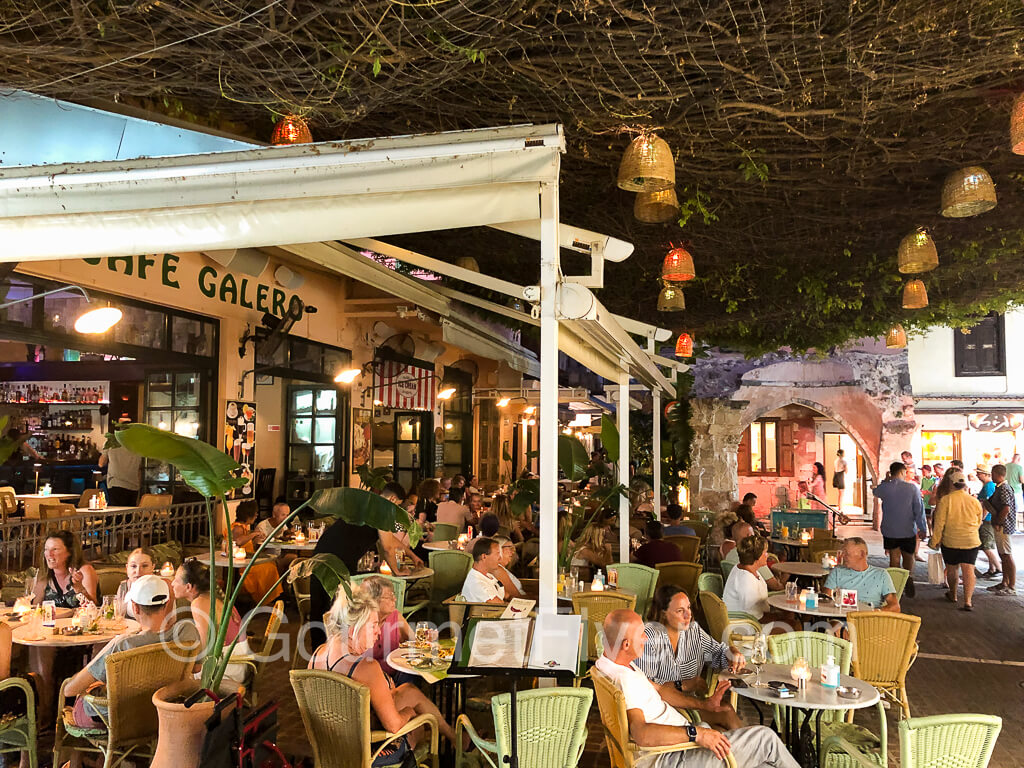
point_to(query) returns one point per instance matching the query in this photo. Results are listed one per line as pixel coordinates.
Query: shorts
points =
(959, 556)
(839, 481)
(1003, 544)
(988, 536)
(908, 545)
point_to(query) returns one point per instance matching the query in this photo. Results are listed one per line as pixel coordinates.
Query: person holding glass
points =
(140, 563)
(394, 629)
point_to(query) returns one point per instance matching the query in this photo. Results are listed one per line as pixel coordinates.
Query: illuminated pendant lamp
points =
(647, 165)
(968, 192)
(917, 253)
(99, 320)
(671, 299)
(1017, 126)
(684, 345)
(678, 266)
(656, 207)
(896, 338)
(914, 295)
(291, 129)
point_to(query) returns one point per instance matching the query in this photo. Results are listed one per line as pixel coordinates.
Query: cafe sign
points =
(995, 422)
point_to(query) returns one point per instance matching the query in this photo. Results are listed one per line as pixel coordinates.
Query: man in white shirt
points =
(746, 590)
(454, 512)
(654, 723)
(280, 511)
(480, 586)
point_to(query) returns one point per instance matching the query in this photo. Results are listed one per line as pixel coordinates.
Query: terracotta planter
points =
(181, 730)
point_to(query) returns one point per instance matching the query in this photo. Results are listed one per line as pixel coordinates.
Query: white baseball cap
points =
(149, 590)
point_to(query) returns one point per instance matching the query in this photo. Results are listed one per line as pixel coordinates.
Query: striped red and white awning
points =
(405, 387)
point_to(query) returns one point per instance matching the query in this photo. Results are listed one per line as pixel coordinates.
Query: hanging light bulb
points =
(914, 295)
(678, 266)
(671, 299)
(684, 345)
(291, 129)
(896, 338)
(647, 165)
(99, 320)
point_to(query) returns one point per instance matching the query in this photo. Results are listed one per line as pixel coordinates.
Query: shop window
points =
(173, 402)
(489, 462)
(980, 351)
(766, 448)
(941, 446)
(457, 442)
(315, 453)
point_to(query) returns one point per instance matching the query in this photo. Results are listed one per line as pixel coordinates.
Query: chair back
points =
(110, 578)
(899, 578)
(688, 546)
(450, 567)
(551, 725)
(815, 648)
(8, 504)
(700, 528)
(638, 579)
(964, 741)
(270, 634)
(883, 645)
(711, 582)
(715, 614)
(88, 493)
(56, 511)
(681, 574)
(300, 590)
(445, 531)
(614, 723)
(594, 607)
(397, 584)
(726, 570)
(153, 500)
(264, 491)
(336, 713)
(133, 677)
(821, 533)
(817, 547)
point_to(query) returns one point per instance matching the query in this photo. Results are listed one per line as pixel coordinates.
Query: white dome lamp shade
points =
(98, 320)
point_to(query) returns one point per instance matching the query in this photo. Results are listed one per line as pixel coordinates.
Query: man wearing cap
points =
(153, 609)
(986, 532)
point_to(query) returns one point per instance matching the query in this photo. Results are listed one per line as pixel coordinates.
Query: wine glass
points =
(759, 658)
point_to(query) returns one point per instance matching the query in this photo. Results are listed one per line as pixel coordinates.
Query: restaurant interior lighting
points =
(347, 376)
(503, 402)
(99, 320)
(446, 394)
(530, 410)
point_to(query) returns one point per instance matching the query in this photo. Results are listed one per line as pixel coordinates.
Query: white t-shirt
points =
(266, 527)
(453, 513)
(640, 693)
(734, 558)
(481, 587)
(746, 592)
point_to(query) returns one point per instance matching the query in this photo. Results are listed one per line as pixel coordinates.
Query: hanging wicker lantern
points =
(914, 295)
(684, 345)
(917, 253)
(656, 207)
(968, 192)
(468, 262)
(896, 338)
(291, 129)
(678, 266)
(1017, 126)
(671, 299)
(647, 165)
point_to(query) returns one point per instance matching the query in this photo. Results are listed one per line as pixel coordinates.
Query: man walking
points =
(1014, 475)
(903, 522)
(1004, 521)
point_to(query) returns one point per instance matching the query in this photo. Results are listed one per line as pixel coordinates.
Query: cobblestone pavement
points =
(968, 662)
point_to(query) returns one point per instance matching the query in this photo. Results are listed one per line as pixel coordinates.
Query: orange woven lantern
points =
(896, 338)
(684, 345)
(678, 266)
(914, 295)
(291, 129)
(1017, 126)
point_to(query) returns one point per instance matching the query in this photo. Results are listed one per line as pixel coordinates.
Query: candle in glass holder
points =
(239, 553)
(167, 571)
(385, 569)
(463, 539)
(300, 537)
(596, 585)
(803, 598)
(76, 621)
(805, 536)
(801, 672)
(23, 605)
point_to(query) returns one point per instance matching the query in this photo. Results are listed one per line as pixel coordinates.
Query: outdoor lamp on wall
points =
(503, 402)
(447, 391)
(347, 376)
(93, 321)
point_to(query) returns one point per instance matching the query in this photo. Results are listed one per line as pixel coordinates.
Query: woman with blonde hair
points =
(352, 629)
(140, 563)
(593, 547)
(501, 508)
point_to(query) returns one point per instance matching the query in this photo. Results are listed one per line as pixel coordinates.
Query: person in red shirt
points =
(656, 550)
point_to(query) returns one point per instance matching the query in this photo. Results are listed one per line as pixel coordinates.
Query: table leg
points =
(513, 757)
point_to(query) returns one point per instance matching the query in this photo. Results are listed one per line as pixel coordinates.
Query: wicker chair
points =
(56, 511)
(700, 528)
(815, 648)
(450, 567)
(818, 547)
(336, 713)
(899, 577)
(884, 647)
(551, 725)
(726, 626)
(300, 591)
(399, 586)
(688, 546)
(445, 531)
(8, 504)
(263, 652)
(20, 734)
(964, 741)
(621, 749)
(711, 582)
(638, 579)
(130, 730)
(110, 578)
(594, 607)
(681, 574)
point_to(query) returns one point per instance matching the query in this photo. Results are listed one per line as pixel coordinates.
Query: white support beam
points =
(644, 329)
(548, 416)
(656, 440)
(622, 413)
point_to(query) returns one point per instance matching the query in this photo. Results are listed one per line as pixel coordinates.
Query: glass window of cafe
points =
(65, 389)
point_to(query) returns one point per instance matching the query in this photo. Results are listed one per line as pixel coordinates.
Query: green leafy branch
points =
(694, 204)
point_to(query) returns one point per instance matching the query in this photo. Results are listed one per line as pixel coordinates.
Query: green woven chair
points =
(815, 648)
(450, 567)
(445, 531)
(638, 579)
(726, 570)
(899, 578)
(399, 586)
(20, 734)
(711, 582)
(552, 725)
(939, 741)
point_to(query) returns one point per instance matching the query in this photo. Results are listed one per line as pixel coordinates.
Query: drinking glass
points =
(422, 630)
(791, 592)
(759, 658)
(435, 645)
(120, 609)
(108, 607)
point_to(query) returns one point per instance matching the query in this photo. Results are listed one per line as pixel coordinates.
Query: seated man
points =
(873, 584)
(480, 585)
(656, 550)
(454, 512)
(653, 722)
(673, 522)
(741, 530)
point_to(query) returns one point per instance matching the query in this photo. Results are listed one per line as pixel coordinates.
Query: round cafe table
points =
(792, 546)
(815, 699)
(438, 545)
(804, 573)
(49, 639)
(419, 573)
(825, 610)
(223, 561)
(291, 546)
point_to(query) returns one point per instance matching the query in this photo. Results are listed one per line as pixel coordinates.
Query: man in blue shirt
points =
(903, 522)
(987, 532)
(873, 584)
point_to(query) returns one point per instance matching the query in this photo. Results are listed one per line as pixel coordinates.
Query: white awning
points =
(460, 333)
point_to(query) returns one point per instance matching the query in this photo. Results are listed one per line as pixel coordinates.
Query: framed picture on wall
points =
(362, 437)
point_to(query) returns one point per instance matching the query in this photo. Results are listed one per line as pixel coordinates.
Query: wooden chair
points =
(594, 607)
(130, 725)
(445, 531)
(263, 652)
(20, 734)
(727, 626)
(88, 493)
(336, 713)
(622, 750)
(551, 725)
(684, 575)
(688, 546)
(56, 511)
(638, 579)
(8, 504)
(152, 500)
(899, 577)
(884, 647)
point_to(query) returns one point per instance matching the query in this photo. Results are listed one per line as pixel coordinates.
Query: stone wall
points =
(717, 430)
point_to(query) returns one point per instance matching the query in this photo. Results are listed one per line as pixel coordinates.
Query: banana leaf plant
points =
(212, 473)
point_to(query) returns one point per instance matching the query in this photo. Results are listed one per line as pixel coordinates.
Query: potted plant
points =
(213, 474)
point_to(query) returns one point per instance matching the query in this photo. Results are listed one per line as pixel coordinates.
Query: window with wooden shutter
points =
(786, 464)
(743, 454)
(759, 452)
(980, 351)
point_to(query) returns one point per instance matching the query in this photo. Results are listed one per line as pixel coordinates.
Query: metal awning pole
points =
(656, 439)
(623, 419)
(548, 416)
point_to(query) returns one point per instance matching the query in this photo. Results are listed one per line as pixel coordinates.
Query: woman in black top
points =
(429, 494)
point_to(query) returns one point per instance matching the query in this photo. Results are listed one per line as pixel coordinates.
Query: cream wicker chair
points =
(622, 750)
(688, 546)
(884, 647)
(594, 607)
(336, 713)
(110, 578)
(681, 574)
(300, 591)
(263, 652)
(131, 721)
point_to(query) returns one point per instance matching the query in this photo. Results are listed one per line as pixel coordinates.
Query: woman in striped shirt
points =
(675, 651)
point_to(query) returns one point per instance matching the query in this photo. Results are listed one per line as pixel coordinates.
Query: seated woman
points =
(503, 573)
(260, 583)
(675, 652)
(502, 509)
(394, 629)
(746, 590)
(352, 629)
(594, 547)
(140, 563)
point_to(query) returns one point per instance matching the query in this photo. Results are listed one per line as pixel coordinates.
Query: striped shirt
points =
(695, 647)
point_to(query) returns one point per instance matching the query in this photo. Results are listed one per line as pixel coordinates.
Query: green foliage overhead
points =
(610, 436)
(572, 458)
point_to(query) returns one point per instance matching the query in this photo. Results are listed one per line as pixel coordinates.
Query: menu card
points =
(500, 643)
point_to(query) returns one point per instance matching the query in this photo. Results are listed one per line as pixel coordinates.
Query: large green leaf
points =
(8, 445)
(326, 568)
(572, 458)
(204, 467)
(527, 492)
(360, 507)
(610, 435)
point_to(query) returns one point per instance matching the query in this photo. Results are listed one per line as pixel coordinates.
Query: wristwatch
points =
(691, 731)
